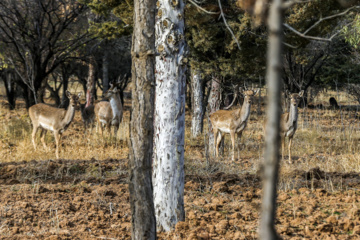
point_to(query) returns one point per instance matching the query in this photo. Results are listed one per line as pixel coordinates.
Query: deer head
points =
(295, 97)
(248, 95)
(73, 98)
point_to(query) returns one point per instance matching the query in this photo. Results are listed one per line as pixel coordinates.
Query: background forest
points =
(46, 44)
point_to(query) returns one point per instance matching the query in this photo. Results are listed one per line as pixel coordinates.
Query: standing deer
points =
(109, 113)
(232, 121)
(53, 119)
(288, 121)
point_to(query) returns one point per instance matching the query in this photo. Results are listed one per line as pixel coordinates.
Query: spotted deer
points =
(288, 121)
(53, 119)
(232, 121)
(109, 113)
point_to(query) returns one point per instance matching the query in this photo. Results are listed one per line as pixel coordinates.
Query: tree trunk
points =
(90, 85)
(10, 88)
(141, 128)
(168, 165)
(64, 98)
(214, 105)
(105, 72)
(272, 136)
(197, 97)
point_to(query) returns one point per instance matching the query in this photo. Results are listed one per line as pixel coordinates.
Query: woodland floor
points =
(318, 198)
(61, 200)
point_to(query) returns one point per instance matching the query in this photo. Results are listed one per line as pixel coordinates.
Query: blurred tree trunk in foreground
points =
(272, 136)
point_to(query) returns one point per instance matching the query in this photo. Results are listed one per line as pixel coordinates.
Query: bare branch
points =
(330, 17)
(228, 27)
(288, 4)
(304, 34)
(203, 9)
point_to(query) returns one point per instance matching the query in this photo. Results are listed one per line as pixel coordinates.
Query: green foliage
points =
(351, 32)
(114, 18)
(213, 49)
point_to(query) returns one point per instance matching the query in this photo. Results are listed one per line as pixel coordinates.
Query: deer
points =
(288, 121)
(232, 121)
(109, 113)
(52, 119)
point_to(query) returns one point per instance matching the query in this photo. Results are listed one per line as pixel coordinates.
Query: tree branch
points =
(228, 27)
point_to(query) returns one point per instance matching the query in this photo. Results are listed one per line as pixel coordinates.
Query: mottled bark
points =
(169, 135)
(197, 96)
(141, 128)
(214, 105)
(90, 85)
(272, 136)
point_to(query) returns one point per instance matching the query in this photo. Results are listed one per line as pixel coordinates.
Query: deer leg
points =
(216, 132)
(290, 141)
(218, 138)
(57, 142)
(238, 143)
(283, 146)
(42, 137)
(232, 135)
(35, 128)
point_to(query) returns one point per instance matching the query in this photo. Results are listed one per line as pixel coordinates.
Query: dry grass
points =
(326, 138)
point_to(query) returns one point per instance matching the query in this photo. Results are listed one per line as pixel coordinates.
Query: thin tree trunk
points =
(105, 68)
(169, 135)
(197, 97)
(10, 88)
(214, 105)
(272, 137)
(141, 128)
(90, 85)
(64, 98)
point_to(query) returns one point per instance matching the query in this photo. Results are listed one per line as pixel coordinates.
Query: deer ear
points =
(68, 94)
(287, 92)
(256, 91)
(301, 93)
(79, 95)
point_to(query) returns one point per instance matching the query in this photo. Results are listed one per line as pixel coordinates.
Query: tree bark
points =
(168, 165)
(141, 128)
(105, 71)
(10, 88)
(90, 85)
(197, 96)
(214, 105)
(272, 136)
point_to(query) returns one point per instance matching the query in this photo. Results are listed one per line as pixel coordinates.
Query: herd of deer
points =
(57, 120)
(110, 113)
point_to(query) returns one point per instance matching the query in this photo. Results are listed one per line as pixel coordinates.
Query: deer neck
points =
(245, 111)
(69, 116)
(116, 105)
(293, 114)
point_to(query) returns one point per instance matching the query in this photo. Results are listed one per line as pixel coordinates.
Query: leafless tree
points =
(39, 36)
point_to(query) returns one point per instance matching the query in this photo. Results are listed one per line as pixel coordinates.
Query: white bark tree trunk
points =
(169, 124)
(272, 136)
(214, 105)
(197, 97)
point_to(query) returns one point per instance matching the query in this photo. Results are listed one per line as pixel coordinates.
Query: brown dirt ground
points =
(89, 199)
